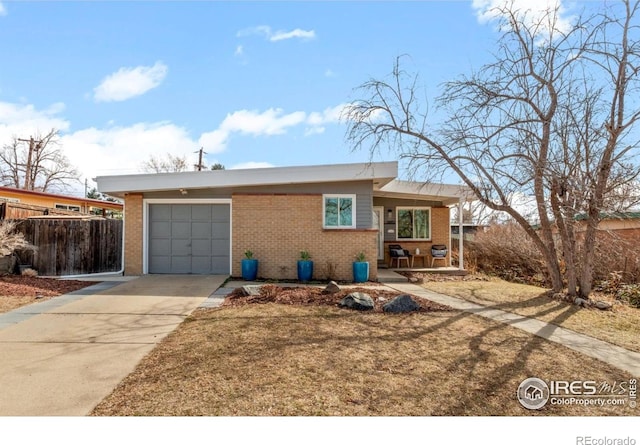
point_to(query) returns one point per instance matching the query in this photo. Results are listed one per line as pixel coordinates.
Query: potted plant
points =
(305, 266)
(360, 269)
(249, 266)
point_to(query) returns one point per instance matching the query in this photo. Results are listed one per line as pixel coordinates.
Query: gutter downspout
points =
(460, 236)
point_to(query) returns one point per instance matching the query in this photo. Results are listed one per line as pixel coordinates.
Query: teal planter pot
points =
(360, 272)
(249, 269)
(305, 270)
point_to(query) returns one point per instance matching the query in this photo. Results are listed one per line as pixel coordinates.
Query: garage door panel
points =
(189, 238)
(220, 246)
(201, 230)
(181, 230)
(201, 247)
(220, 231)
(201, 264)
(201, 212)
(180, 212)
(181, 264)
(221, 213)
(160, 212)
(160, 264)
(160, 229)
(220, 263)
(160, 247)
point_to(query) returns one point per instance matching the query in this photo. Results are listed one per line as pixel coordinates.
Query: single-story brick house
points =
(203, 222)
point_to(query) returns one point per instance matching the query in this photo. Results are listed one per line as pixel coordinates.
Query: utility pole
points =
(199, 165)
(34, 146)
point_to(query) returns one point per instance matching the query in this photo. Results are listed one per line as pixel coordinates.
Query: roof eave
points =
(380, 172)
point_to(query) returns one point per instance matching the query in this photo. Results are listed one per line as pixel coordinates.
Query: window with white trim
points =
(68, 207)
(413, 223)
(339, 211)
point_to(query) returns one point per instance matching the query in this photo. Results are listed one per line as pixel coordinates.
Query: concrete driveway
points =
(63, 356)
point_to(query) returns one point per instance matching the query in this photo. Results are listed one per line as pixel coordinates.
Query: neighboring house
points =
(18, 204)
(625, 225)
(469, 230)
(203, 222)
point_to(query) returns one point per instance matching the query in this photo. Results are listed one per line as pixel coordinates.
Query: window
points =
(413, 223)
(339, 211)
(68, 207)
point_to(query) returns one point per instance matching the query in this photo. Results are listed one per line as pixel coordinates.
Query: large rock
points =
(603, 305)
(251, 290)
(357, 300)
(331, 288)
(401, 304)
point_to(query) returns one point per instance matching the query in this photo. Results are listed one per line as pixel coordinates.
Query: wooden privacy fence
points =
(72, 247)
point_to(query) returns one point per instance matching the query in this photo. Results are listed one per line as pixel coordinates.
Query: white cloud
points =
(268, 123)
(277, 36)
(239, 51)
(329, 73)
(23, 120)
(3, 9)
(530, 12)
(295, 34)
(117, 150)
(130, 82)
(251, 164)
(316, 120)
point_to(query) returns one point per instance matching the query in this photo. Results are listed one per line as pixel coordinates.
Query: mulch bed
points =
(313, 296)
(23, 286)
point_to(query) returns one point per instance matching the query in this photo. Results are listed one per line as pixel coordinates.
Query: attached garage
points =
(193, 238)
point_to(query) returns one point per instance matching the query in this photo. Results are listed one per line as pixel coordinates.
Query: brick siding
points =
(277, 227)
(133, 234)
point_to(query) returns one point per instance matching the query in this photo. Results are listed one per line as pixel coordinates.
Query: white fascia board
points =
(380, 172)
(447, 193)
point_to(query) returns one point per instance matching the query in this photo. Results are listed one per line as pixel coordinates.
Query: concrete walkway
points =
(63, 356)
(614, 355)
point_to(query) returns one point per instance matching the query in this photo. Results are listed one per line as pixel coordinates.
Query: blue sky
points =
(254, 83)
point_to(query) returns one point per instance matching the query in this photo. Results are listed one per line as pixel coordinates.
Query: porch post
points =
(461, 236)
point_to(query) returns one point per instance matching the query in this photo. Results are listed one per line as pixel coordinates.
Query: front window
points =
(68, 207)
(339, 211)
(413, 223)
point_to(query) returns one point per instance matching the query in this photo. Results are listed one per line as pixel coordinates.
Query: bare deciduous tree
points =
(167, 164)
(552, 117)
(37, 163)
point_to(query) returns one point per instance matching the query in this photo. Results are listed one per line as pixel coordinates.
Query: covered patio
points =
(413, 217)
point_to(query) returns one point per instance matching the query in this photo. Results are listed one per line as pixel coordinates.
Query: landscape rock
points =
(581, 302)
(413, 280)
(251, 290)
(603, 305)
(357, 300)
(331, 288)
(401, 304)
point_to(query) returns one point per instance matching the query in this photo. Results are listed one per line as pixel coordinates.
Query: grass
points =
(620, 326)
(287, 360)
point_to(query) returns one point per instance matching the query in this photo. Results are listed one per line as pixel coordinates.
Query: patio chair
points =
(397, 253)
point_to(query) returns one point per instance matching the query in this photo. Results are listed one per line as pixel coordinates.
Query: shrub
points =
(629, 293)
(10, 240)
(506, 251)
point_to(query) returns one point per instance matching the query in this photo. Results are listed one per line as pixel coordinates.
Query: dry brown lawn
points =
(290, 360)
(620, 326)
